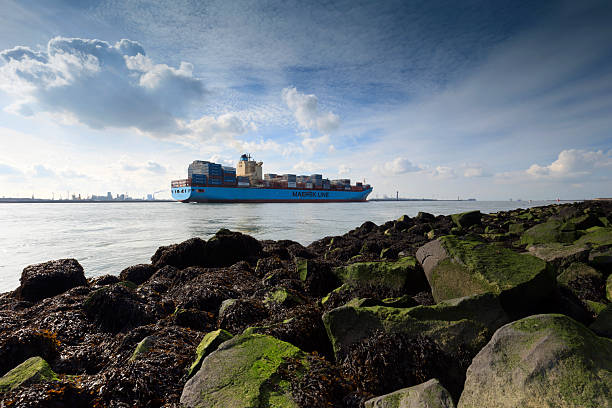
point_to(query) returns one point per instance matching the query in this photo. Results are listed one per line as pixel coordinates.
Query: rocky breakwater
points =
(511, 309)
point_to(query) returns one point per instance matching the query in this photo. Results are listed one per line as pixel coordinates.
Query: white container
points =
(291, 184)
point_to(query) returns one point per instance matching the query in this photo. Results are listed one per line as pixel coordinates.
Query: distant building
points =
(109, 196)
(150, 197)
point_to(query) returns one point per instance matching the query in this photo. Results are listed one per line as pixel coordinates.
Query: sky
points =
(492, 100)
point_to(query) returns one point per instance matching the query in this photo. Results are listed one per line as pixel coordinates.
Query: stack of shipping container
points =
(229, 176)
(243, 181)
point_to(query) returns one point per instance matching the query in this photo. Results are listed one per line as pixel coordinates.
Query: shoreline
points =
(316, 319)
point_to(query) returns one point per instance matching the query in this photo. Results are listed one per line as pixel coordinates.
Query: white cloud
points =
(305, 167)
(43, 171)
(306, 111)
(399, 165)
(313, 143)
(572, 163)
(150, 166)
(7, 170)
(100, 84)
(227, 125)
(474, 170)
(443, 172)
(343, 169)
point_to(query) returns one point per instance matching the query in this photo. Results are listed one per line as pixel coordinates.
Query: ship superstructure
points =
(212, 182)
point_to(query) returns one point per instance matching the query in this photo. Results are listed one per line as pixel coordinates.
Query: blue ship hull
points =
(208, 194)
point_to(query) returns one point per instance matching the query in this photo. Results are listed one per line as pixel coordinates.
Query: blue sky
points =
(484, 99)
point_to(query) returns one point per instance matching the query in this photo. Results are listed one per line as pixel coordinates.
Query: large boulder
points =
(48, 279)
(137, 273)
(541, 361)
(466, 322)
(116, 308)
(227, 247)
(209, 343)
(560, 255)
(467, 219)
(430, 394)
(596, 237)
(583, 281)
(550, 231)
(401, 276)
(457, 267)
(34, 369)
(243, 372)
(188, 253)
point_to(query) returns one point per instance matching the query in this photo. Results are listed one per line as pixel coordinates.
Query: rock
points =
(317, 276)
(467, 219)
(34, 369)
(188, 253)
(609, 288)
(402, 275)
(282, 297)
(430, 394)
(143, 347)
(104, 280)
(226, 248)
(19, 345)
(596, 237)
(468, 322)
(603, 323)
(457, 267)
(243, 372)
(116, 308)
(541, 361)
(235, 315)
(48, 279)
(137, 273)
(584, 281)
(193, 318)
(560, 255)
(548, 232)
(209, 343)
(424, 217)
(601, 257)
(516, 228)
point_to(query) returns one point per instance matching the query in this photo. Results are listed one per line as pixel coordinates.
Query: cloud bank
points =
(306, 111)
(100, 84)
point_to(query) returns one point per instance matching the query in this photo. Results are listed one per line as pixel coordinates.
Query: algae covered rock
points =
(541, 361)
(457, 267)
(560, 255)
(609, 288)
(467, 219)
(209, 343)
(227, 247)
(402, 275)
(137, 273)
(603, 323)
(467, 322)
(584, 281)
(430, 394)
(34, 369)
(143, 347)
(188, 253)
(282, 297)
(48, 279)
(116, 308)
(596, 237)
(548, 232)
(243, 372)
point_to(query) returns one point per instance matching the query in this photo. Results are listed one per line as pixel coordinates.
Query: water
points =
(107, 237)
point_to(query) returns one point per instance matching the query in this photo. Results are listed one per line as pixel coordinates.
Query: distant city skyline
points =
(479, 99)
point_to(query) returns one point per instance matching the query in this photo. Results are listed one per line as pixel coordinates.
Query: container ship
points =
(208, 182)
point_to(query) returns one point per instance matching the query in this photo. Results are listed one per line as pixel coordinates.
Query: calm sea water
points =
(107, 237)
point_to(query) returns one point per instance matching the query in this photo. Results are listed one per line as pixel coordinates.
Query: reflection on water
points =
(106, 238)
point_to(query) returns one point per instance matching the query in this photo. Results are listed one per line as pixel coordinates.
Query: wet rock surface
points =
(369, 318)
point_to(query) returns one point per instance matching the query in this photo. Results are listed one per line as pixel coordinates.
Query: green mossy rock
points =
(560, 255)
(467, 219)
(596, 237)
(34, 369)
(550, 231)
(516, 228)
(541, 361)
(609, 288)
(301, 266)
(457, 267)
(430, 394)
(282, 296)
(467, 322)
(243, 373)
(603, 323)
(578, 271)
(143, 347)
(403, 274)
(209, 343)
